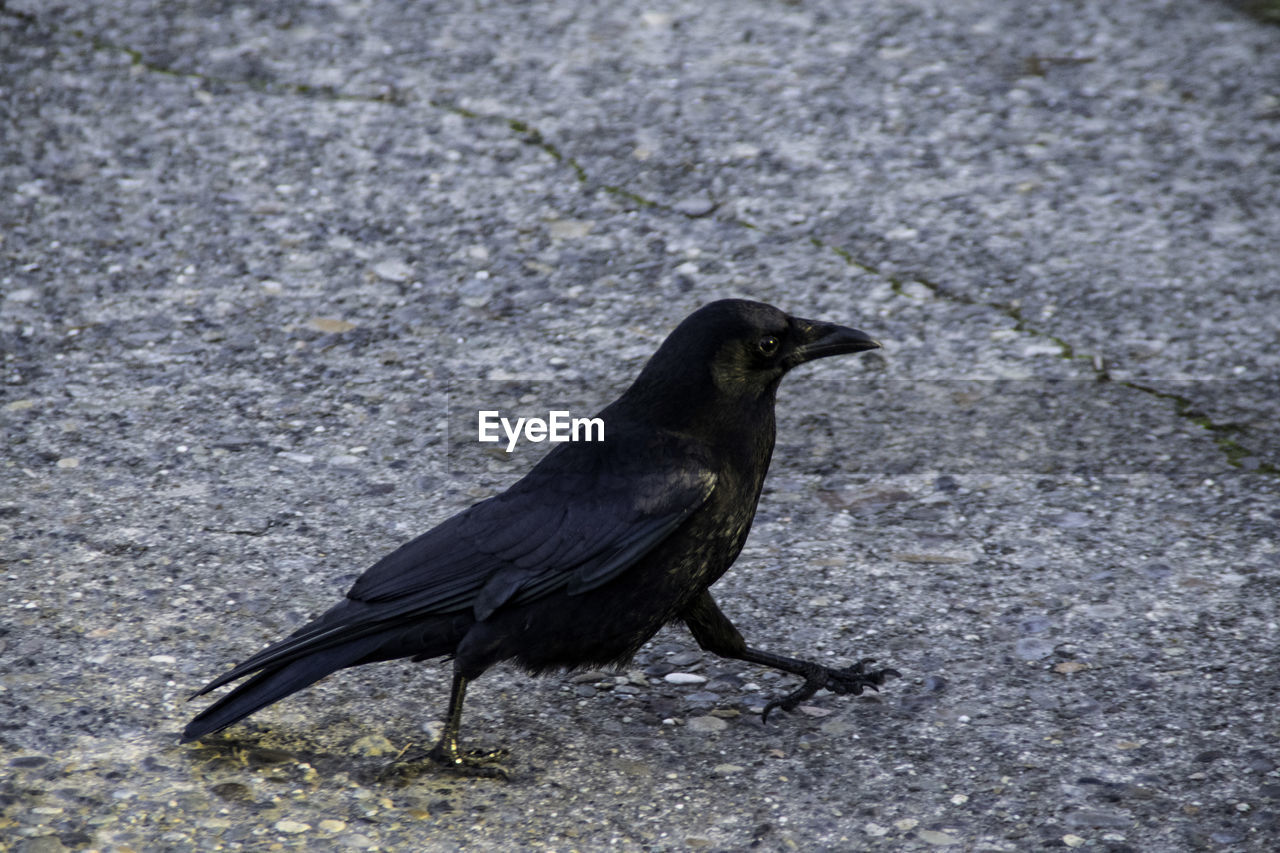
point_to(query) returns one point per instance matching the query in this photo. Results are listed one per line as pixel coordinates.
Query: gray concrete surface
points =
(256, 259)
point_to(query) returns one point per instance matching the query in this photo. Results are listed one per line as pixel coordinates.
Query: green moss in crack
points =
(1223, 434)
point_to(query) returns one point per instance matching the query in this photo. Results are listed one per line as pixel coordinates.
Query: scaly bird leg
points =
(472, 762)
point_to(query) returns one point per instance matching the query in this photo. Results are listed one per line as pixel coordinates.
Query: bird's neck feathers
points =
(699, 397)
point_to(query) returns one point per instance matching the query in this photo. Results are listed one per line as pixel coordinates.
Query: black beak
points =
(824, 339)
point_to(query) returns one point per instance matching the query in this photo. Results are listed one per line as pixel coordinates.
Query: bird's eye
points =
(768, 345)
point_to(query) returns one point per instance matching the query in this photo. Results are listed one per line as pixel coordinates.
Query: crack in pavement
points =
(1223, 435)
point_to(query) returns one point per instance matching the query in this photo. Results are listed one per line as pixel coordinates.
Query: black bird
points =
(596, 548)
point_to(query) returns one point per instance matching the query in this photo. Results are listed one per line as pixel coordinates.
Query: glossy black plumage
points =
(596, 548)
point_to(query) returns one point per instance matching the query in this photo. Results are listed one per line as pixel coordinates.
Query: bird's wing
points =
(556, 528)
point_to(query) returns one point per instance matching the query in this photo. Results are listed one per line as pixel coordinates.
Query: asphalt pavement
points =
(262, 264)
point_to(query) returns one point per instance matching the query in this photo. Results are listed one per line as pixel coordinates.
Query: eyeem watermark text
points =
(558, 426)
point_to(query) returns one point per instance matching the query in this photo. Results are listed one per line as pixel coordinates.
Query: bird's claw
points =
(852, 679)
(485, 763)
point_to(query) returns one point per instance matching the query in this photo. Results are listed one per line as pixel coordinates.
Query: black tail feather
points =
(276, 683)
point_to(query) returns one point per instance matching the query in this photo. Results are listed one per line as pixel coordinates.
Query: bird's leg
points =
(716, 634)
(446, 753)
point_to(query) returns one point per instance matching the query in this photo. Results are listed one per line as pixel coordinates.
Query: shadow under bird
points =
(581, 561)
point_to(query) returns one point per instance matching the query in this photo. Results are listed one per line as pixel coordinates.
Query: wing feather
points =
(554, 529)
(563, 529)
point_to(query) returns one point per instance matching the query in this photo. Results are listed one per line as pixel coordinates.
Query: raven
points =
(581, 561)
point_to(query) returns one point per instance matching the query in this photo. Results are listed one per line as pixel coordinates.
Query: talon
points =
(853, 679)
(473, 762)
(793, 699)
(484, 763)
(485, 756)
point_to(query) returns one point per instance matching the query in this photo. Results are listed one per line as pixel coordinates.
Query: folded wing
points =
(558, 528)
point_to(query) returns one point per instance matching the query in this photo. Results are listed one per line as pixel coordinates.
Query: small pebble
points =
(393, 270)
(300, 458)
(683, 678)
(1033, 648)
(695, 207)
(330, 325)
(938, 839)
(29, 761)
(707, 725)
(569, 229)
(476, 293)
(356, 841)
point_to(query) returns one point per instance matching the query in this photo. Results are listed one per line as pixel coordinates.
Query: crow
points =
(601, 544)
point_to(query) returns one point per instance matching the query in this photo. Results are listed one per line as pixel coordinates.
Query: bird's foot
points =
(852, 679)
(486, 763)
(464, 762)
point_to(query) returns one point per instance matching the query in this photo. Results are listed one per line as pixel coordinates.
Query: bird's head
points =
(735, 349)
